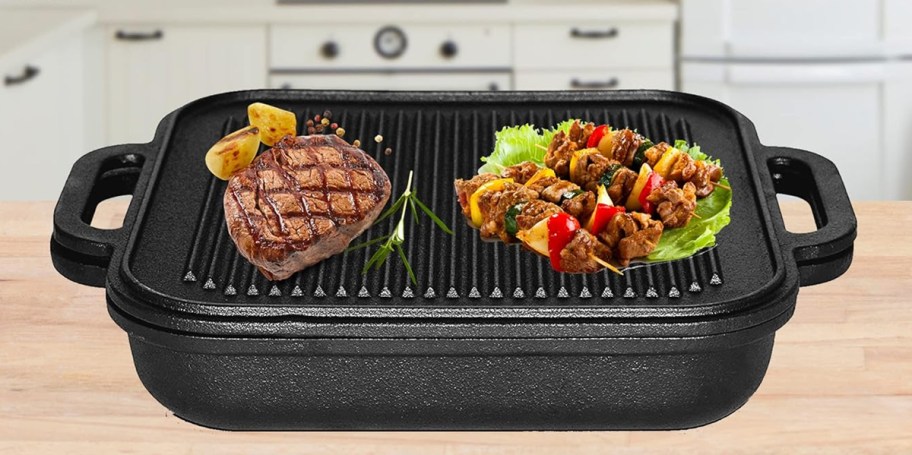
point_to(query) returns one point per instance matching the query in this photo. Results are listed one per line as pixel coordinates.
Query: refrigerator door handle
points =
(806, 73)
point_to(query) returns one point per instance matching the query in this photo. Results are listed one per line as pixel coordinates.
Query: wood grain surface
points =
(840, 380)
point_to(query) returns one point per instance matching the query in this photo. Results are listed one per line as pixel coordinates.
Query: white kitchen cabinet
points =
(814, 29)
(393, 81)
(41, 121)
(589, 79)
(898, 130)
(631, 45)
(832, 109)
(154, 70)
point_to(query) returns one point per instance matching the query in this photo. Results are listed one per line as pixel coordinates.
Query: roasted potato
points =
(274, 123)
(233, 152)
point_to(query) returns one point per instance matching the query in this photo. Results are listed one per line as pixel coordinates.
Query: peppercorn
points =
(357, 143)
(325, 121)
(310, 123)
(311, 130)
(378, 138)
(327, 113)
(334, 126)
(388, 151)
(317, 118)
(340, 132)
(319, 128)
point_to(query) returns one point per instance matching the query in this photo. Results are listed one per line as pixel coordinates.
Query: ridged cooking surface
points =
(440, 145)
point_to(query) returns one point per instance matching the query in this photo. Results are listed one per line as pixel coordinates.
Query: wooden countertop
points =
(840, 377)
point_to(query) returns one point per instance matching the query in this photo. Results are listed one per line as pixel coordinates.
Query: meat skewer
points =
(619, 145)
(515, 212)
(629, 149)
(677, 165)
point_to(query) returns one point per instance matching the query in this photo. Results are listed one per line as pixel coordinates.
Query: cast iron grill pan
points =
(490, 338)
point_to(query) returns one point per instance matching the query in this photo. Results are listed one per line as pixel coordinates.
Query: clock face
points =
(390, 42)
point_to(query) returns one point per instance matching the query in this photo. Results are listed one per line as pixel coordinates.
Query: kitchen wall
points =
(110, 70)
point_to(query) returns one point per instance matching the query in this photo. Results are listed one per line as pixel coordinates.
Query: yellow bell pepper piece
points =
(542, 173)
(474, 210)
(667, 161)
(633, 201)
(574, 160)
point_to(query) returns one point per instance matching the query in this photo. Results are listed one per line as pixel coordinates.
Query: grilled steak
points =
(303, 201)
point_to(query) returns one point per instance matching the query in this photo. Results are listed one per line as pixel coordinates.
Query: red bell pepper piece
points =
(654, 181)
(597, 134)
(561, 228)
(603, 214)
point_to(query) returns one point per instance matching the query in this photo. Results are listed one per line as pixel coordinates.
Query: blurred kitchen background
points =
(831, 76)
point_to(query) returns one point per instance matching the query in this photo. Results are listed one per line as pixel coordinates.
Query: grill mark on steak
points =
(254, 233)
(287, 178)
(348, 180)
(261, 194)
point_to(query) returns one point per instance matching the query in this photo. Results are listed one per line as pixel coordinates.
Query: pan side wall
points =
(399, 392)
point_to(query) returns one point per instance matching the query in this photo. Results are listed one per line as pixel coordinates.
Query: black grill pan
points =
(490, 338)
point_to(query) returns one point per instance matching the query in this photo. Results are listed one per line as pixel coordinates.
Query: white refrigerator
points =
(830, 76)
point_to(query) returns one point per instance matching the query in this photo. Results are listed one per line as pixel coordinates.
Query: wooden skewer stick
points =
(723, 186)
(542, 147)
(606, 265)
(697, 216)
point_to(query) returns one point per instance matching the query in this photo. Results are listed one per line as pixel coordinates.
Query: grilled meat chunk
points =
(494, 205)
(624, 144)
(465, 188)
(674, 205)
(576, 257)
(621, 185)
(655, 152)
(590, 170)
(701, 174)
(580, 205)
(520, 173)
(303, 201)
(533, 212)
(564, 144)
(556, 191)
(705, 178)
(631, 235)
(567, 194)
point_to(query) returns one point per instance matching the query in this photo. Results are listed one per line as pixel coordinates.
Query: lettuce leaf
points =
(700, 232)
(517, 144)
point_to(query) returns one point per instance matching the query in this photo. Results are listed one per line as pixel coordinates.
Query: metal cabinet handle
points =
(610, 83)
(28, 73)
(590, 34)
(139, 36)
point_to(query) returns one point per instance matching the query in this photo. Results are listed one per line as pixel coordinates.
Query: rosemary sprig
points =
(393, 241)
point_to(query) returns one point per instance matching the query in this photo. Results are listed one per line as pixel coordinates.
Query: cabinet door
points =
(830, 109)
(392, 81)
(153, 71)
(898, 130)
(41, 122)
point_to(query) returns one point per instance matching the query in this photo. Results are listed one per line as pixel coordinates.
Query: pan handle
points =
(826, 253)
(80, 251)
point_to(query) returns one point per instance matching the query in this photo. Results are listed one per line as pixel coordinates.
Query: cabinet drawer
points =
(392, 81)
(595, 80)
(329, 47)
(636, 45)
